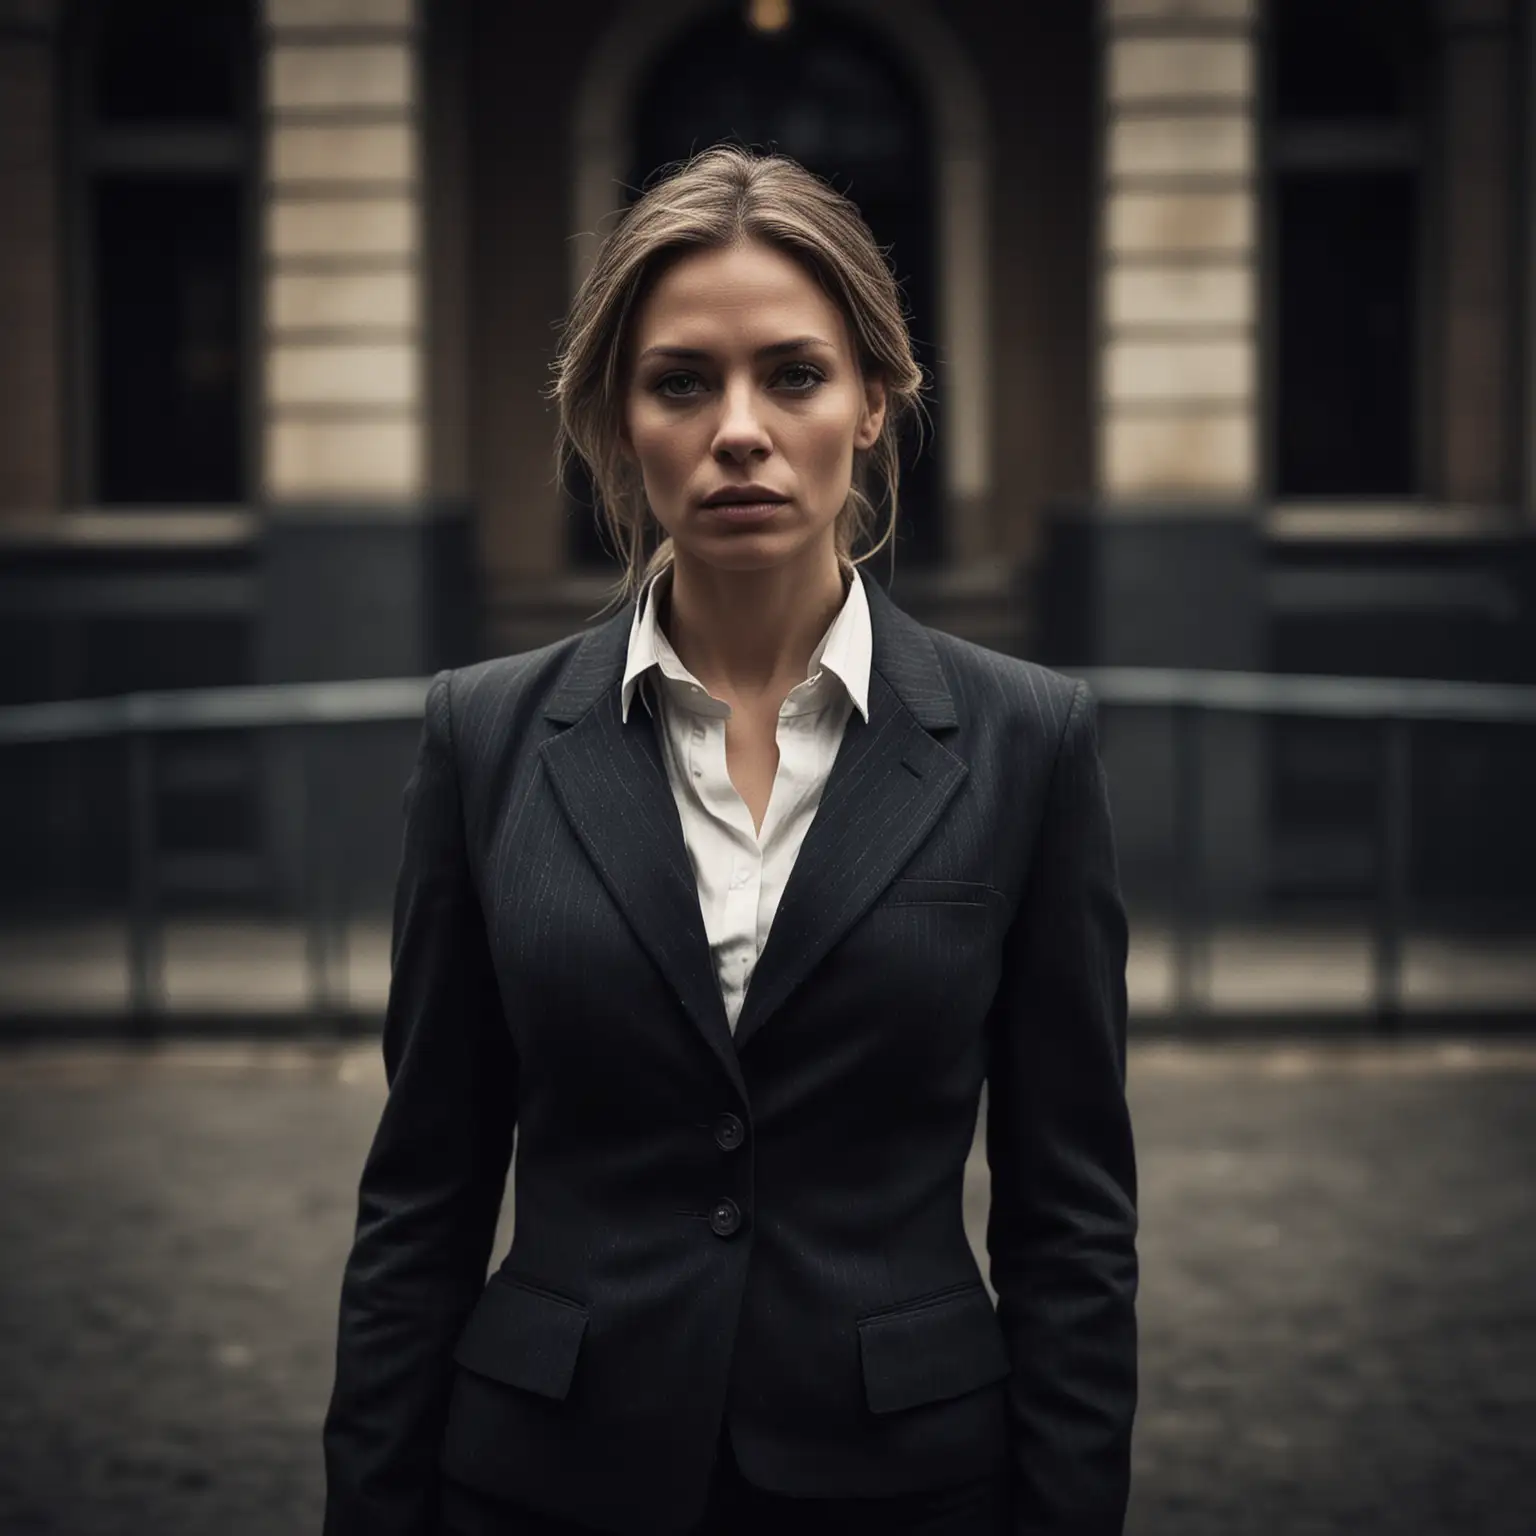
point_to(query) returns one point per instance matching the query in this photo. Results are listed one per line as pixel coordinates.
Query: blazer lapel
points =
(611, 782)
(889, 784)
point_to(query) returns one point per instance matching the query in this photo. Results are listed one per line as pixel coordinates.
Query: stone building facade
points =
(1230, 308)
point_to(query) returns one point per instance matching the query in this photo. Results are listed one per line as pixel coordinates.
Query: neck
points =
(748, 635)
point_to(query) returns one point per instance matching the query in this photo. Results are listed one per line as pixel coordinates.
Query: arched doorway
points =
(830, 92)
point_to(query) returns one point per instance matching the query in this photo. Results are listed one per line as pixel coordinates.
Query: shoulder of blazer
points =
(1040, 696)
(487, 699)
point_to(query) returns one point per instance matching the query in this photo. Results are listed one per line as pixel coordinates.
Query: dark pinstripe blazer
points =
(767, 1227)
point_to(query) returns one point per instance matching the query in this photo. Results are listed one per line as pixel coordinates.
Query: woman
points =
(731, 903)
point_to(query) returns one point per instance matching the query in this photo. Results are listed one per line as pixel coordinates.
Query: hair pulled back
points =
(717, 199)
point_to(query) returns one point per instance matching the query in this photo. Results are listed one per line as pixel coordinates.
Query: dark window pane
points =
(173, 60)
(168, 355)
(1347, 58)
(1345, 334)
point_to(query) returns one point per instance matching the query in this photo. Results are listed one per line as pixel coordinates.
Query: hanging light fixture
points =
(768, 15)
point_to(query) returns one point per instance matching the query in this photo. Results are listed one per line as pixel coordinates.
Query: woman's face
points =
(744, 383)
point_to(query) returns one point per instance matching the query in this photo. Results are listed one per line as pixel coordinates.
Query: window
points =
(164, 109)
(1346, 196)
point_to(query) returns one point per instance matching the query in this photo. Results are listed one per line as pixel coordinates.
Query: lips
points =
(742, 495)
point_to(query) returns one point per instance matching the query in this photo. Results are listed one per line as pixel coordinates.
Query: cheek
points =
(660, 446)
(827, 447)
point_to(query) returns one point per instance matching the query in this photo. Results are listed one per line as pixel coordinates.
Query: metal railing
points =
(1393, 705)
(1188, 697)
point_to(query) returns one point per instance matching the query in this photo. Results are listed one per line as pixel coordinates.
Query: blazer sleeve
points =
(1061, 1235)
(434, 1176)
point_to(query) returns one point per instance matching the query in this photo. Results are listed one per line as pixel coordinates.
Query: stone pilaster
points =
(368, 572)
(31, 447)
(1176, 396)
(1162, 567)
(342, 237)
(1475, 456)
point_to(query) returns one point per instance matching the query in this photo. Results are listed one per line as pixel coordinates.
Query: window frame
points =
(1345, 146)
(161, 151)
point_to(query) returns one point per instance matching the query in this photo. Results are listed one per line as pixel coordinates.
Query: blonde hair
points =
(719, 198)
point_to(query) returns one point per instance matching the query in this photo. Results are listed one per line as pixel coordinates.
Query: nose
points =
(740, 435)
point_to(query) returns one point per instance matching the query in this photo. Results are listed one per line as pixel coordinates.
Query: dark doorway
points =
(832, 95)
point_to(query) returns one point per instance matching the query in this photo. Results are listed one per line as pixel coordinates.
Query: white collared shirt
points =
(741, 873)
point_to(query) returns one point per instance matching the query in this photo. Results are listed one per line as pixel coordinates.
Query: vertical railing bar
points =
(310, 894)
(1393, 876)
(1188, 855)
(340, 896)
(145, 961)
(328, 856)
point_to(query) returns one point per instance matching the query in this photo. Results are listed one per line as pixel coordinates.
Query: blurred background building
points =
(1230, 308)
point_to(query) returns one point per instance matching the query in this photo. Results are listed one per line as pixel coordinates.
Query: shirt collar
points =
(844, 651)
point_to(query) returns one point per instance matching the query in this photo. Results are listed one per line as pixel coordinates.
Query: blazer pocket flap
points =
(524, 1337)
(931, 1350)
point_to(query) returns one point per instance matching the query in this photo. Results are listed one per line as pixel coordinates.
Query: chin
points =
(741, 549)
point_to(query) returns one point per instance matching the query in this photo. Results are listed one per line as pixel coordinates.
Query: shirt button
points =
(725, 1219)
(729, 1132)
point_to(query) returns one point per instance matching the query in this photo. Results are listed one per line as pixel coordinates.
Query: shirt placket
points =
(705, 738)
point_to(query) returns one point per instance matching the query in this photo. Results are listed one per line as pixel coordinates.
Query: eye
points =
(801, 377)
(671, 386)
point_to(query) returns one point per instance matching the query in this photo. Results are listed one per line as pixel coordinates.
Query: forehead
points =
(749, 292)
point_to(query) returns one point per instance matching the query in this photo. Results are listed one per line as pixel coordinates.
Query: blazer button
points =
(725, 1219)
(729, 1132)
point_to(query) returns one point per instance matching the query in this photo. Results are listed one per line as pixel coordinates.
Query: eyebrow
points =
(773, 349)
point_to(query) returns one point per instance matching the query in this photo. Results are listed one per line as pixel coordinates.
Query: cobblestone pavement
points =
(1338, 1307)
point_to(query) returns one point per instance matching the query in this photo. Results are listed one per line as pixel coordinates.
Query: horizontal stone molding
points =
(1171, 407)
(326, 14)
(344, 375)
(382, 152)
(1158, 223)
(1180, 146)
(343, 458)
(320, 412)
(1196, 295)
(340, 227)
(1182, 453)
(344, 335)
(1389, 521)
(306, 77)
(1183, 10)
(1473, 13)
(1144, 69)
(1137, 370)
(298, 301)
